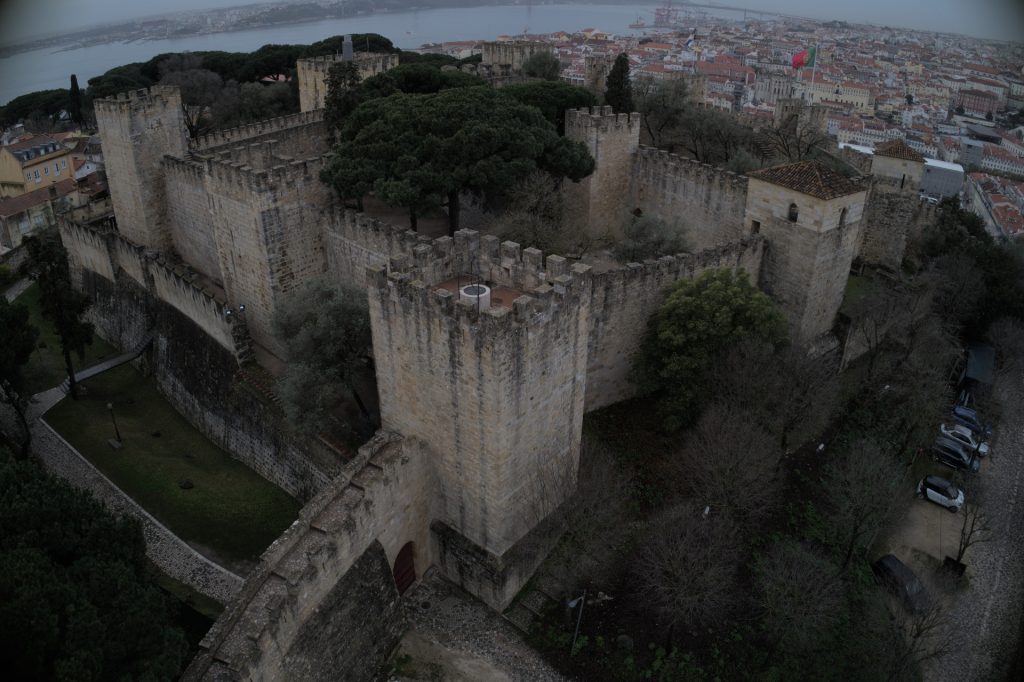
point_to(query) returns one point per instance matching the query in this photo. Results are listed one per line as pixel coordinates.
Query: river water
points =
(45, 69)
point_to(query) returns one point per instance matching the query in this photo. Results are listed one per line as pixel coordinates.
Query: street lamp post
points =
(117, 432)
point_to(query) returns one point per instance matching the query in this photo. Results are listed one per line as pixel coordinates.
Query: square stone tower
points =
(812, 219)
(598, 203)
(495, 389)
(138, 128)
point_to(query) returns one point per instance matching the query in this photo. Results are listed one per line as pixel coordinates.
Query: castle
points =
(481, 399)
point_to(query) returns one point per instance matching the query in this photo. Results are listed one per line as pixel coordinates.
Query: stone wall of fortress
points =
(299, 135)
(312, 74)
(322, 603)
(708, 202)
(624, 299)
(195, 352)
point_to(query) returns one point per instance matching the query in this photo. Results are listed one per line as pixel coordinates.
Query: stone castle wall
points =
(512, 53)
(624, 299)
(267, 224)
(138, 129)
(322, 603)
(194, 357)
(599, 204)
(892, 219)
(188, 213)
(312, 74)
(299, 134)
(708, 202)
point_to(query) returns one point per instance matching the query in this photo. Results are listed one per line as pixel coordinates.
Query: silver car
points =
(940, 491)
(961, 433)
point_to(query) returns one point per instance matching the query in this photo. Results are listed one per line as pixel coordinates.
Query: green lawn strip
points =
(231, 511)
(45, 369)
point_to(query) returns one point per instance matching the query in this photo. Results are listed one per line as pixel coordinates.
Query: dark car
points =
(894, 575)
(953, 454)
(970, 419)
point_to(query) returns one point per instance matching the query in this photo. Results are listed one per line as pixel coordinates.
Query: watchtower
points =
(598, 203)
(489, 370)
(811, 216)
(138, 128)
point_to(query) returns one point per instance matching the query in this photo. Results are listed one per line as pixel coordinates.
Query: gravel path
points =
(986, 617)
(471, 641)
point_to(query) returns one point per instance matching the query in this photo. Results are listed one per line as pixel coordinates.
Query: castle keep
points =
(482, 399)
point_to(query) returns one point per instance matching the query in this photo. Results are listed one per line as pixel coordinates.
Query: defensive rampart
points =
(313, 72)
(893, 218)
(322, 604)
(297, 134)
(624, 300)
(708, 202)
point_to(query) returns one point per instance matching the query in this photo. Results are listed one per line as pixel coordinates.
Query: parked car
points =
(940, 491)
(951, 453)
(964, 435)
(969, 418)
(894, 575)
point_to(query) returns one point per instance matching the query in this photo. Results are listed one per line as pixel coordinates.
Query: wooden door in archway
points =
(405, 568)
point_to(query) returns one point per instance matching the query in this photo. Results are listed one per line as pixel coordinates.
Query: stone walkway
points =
(457, 638)
(985, 618)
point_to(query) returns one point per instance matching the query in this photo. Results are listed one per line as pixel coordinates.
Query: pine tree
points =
(619, 90)
(76, 101)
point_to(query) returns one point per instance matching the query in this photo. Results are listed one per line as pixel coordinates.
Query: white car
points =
(940, 491)
(964, 435)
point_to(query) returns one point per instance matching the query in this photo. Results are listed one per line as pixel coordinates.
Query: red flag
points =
(804, 58)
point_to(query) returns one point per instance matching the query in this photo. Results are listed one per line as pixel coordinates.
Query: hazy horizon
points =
(21, 20)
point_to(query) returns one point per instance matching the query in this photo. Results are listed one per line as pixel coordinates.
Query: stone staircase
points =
(111, 363)
(532, 604)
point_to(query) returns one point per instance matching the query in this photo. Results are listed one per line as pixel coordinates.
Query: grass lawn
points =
(231, 513)
(45, 369)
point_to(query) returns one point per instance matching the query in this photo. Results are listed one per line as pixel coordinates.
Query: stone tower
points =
(811, 216)
(496, 393)
(598, 203)
(138, 128)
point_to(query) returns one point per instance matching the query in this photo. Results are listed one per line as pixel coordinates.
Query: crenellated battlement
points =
(188, 169)
(548, 285)
(228, 173)
(373, 61)
(652, 160)
(161, 95)
(585, 122)
(220, 138)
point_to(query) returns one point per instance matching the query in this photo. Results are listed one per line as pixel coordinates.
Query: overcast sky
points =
(1002, 19)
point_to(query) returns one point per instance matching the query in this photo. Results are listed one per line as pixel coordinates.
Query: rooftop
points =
(898, 149)
(811, 178)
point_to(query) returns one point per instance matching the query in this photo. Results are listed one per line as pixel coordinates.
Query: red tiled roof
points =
(811, 178)
(15, 205)
(898, 149)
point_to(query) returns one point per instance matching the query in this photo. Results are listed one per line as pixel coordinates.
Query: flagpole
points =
(814, 70)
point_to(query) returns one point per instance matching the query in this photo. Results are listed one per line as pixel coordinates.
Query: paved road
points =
(986, 617)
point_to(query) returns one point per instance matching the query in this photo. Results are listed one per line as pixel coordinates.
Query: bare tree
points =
(794, 139)
(895, 642)
(960, 286)
(976, 524)
(730, 463)
(798, 595)
(663, 105)
(687, 569)
(792, 393)
(864, 484)
(1008, 337)
(200, 88)
(533, 216)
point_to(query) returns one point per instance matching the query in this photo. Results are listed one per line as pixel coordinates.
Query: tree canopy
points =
(553, 98)
(19, 342)
(619, 89)
(75, 601)
(63, 305)
(325, 330)
(543, 65)
(424, 151)
(699, 320)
